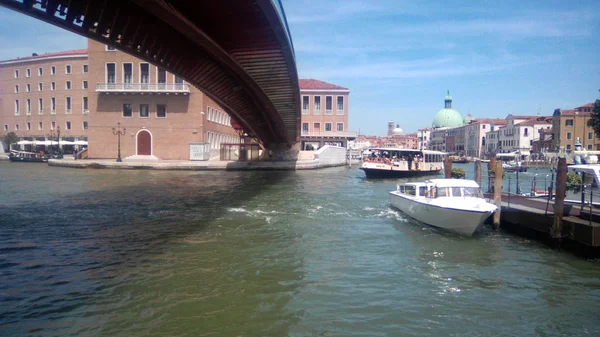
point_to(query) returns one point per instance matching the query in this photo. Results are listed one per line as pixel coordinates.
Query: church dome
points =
(468, 119)
(447, 117)
(397, 130)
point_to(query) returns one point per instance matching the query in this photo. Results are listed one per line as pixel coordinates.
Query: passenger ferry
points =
(400, 163)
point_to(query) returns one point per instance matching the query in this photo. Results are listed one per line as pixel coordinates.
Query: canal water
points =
(310, 253)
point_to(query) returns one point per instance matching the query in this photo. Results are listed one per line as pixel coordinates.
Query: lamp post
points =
(51, 136)
(118, 132)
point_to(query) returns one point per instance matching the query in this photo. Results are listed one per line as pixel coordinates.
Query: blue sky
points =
(398, 57)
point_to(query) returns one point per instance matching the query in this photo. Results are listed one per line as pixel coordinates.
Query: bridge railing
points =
(143, 87)
(329, 133)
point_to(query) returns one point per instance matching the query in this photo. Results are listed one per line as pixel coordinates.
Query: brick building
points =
(570, 125)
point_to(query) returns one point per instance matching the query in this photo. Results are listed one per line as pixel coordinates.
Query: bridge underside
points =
(239, 53)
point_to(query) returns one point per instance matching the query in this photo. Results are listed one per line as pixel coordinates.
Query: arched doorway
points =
(144, 143)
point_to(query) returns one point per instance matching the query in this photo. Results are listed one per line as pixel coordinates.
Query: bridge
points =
(239, 53)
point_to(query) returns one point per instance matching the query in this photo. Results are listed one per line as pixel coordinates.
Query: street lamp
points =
(118, 132)
(51, 136)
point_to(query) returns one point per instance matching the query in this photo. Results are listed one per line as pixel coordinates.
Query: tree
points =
(10, 138)
(594, 121)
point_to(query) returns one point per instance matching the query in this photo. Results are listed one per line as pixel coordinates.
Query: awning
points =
(81, 142)
(24, 142)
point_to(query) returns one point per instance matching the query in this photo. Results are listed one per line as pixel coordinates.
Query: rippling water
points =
(315, 253)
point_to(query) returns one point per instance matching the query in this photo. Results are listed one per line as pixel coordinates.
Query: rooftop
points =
(536, 121)
(76, 52)
(312, 84)
(495, 121)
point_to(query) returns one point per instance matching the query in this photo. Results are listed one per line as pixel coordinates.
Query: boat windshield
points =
(472, 192)
(457, 191)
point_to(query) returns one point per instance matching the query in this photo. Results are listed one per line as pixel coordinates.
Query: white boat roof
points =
(405, 150)
(453, 182)
(512, 154)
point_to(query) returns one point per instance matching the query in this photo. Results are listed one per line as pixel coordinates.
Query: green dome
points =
(447, 118)
(468, 119)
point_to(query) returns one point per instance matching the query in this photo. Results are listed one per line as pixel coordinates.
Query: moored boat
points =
(456, 205)
(400, 163)
(29, 157)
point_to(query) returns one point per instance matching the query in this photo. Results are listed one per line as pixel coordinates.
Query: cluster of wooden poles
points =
(496, 172)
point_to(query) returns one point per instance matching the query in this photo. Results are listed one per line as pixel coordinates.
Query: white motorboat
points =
(456, 205)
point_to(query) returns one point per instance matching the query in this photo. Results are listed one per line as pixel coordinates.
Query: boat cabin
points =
(438, 188)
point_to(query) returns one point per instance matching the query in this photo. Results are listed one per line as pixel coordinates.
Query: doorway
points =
(144, 143)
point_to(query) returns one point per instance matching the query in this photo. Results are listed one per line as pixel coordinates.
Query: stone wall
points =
(331, 156)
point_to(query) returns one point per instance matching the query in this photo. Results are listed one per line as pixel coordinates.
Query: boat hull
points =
(387, 174)
(463, 222)
(28, 160)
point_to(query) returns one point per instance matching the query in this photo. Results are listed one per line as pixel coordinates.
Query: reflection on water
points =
(104, 252)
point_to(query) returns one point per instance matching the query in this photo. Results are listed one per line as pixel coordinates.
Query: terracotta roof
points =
(587, 105)
(313, 84)
(495, 121)
(535, 121)
(522, 116)
(573, 112)
(60, 53)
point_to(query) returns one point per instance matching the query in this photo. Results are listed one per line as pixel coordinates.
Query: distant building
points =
(447, 117)
(423, 136)
(324, 114)
(390, 130)
(520, 132)
(570, 125)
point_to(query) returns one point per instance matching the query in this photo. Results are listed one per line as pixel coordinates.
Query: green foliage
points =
(10, 138)
(458, 173)
(492, 173)
(573, 182)
(594, 121)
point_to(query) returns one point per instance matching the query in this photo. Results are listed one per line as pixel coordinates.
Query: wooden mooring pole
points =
(559, 199)
(448, 167)
(478, 172)
(498, 172)
(491, 167)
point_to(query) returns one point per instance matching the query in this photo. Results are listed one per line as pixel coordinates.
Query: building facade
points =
(83, 94)
(520, 132)
(324, 115)
(571, 125)
(43, 95)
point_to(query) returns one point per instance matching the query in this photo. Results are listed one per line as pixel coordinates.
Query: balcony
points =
(158, 88)
(332, 134)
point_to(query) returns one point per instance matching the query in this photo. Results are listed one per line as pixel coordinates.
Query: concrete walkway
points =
(191, 165)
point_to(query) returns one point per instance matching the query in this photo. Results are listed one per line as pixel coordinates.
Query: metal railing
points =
(143, 87)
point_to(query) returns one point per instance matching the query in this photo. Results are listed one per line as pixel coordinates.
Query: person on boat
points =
(410, 160)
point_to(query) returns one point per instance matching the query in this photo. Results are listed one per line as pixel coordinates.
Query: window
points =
(525, 132)
(328, 104)
(85, 68)
(5, 127)
(161, 111)
(305, 105)
(52, 125)
(68, 125)
(28, 73)
(144, 73)
(28, 106)
(340, 105)
(53, 106)
(53, 70)
(28, 125)
(127, 111)
(111, 73)
(85, 106)
(569, 135)
(161, 77)
(16, 73)
(589, 147)
(483, 127)
(40, 105)
(68, 85)
(53, 86)
(84, 84)
(569, 122)
(327, 126)
(40, 73)
(304, 128)
(16, 89)
(317, 107)
(68, 69)
(40, 126)
(28, 87)
(178, 80)
(110, 48)
(40, 87)
(144, 111)
(68, 105)
(85, 125)
(127, 74)
(590, 135)
(17, 127)
(568, 147)
(340, 127)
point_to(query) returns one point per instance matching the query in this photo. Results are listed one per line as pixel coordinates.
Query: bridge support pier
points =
(281, 152)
